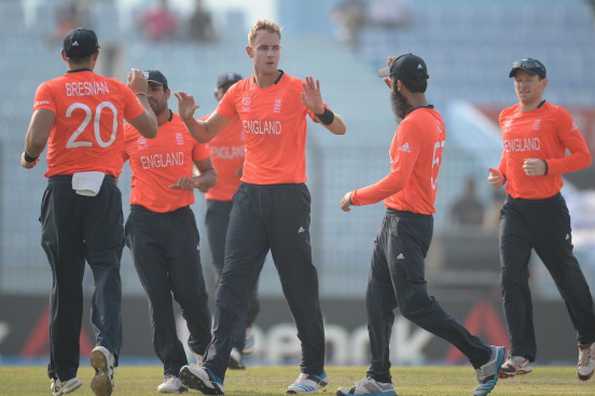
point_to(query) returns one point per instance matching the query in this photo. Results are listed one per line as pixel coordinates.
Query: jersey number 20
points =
(74, 143)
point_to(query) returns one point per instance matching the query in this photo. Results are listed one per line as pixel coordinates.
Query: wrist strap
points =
(327, 117)
(29, 158)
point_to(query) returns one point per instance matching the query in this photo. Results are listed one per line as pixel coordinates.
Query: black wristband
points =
(28, 158)
(327, 117)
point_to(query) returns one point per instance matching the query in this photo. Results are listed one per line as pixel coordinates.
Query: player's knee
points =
(415, 304)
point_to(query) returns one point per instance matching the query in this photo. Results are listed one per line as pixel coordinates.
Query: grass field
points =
(268, 381)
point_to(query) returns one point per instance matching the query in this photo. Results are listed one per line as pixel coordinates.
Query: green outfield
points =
(411, 381)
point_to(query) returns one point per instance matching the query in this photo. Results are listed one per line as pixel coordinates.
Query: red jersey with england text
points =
(227, 156)
(89, 114)
(273, 121)
(158, 163)
(415, 155)
(544, 133)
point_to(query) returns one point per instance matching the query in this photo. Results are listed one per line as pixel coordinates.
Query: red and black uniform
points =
(227, 156)
(535, 216)
(87, 136)
(271, 211)
(397, 275)
(162, 234)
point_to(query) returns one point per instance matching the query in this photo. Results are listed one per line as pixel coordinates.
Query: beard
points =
(157, 107)
(400, 104)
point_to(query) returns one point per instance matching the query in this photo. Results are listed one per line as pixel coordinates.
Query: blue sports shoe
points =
(308, 383)
(487, 375)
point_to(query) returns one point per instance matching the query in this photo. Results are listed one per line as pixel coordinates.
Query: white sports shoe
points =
(201, 379)
(586, 361)
(250, 342)
(308, 383)
(235, 360)
(102, 361)
(171, 384)
(515, 365)
(369, 387)
(59, 388)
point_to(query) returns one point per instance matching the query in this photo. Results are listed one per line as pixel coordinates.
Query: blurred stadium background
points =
(468, 45)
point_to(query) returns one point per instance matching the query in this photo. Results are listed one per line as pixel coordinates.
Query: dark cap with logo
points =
(156, 77)
(529, 65)
(227, 79)
(407, 68)
(80, 43)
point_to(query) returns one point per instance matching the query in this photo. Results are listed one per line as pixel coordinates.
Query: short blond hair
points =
(263, 24)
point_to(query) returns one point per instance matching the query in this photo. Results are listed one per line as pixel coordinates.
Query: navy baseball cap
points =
(407, 68)
(80, 43)
(227, 79)
(156, 77)
(530, 65)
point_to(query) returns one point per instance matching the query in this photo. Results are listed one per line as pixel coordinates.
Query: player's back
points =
(89, 111)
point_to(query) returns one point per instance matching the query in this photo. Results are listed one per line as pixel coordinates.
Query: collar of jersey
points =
(253, 79)
(86, 69)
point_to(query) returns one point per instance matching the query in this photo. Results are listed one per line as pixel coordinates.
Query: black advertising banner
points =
(24, 324)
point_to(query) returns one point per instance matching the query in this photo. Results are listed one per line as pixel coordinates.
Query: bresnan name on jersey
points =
(521, 145)
(162, 160)
(262, 127)
(86, 88)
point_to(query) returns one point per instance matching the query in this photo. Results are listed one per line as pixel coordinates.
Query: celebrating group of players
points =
(249, 159)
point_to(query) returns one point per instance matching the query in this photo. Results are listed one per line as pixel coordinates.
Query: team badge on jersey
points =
(405, 148)
(142, 142)
(536, 124)
(506, 125)
(179, 139)
(277, 105)
(246, 103)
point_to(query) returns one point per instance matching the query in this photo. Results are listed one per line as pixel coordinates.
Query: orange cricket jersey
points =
(543, 133)
(158, 163)
(274, 124)
(415, 155)
(227, 156)
(88, 130)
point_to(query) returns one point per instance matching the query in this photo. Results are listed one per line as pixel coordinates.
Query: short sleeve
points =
(44, 99)
(227, 105)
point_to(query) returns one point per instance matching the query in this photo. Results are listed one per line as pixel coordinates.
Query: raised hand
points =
(137, 81)
(311, 96)
(186, 105)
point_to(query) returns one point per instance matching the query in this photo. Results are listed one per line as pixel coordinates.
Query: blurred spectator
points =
(468, 209)
(201, 24)
(592, 4)
(491, 218)
(70, 14)
(350, 17)
(159, 23)
(389, 14)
